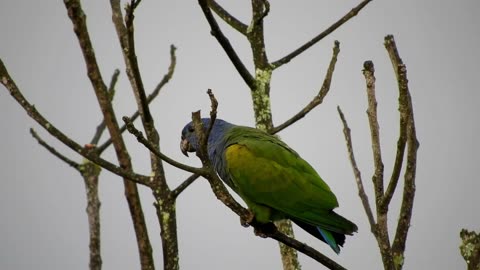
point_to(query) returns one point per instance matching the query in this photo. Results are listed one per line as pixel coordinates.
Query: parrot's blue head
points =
(189, 142)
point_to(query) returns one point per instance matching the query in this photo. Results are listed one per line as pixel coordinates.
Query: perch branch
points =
(318, 99)
(227, 17)
(87, 153)
(320, 36)
(358, 177)
(225, 43)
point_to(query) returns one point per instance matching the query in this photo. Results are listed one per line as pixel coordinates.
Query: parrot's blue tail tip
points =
(329, 239)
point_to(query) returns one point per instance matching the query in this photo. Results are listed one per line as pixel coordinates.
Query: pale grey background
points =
(43, 222)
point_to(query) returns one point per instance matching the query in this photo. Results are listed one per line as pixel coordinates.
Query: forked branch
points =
(392, 254)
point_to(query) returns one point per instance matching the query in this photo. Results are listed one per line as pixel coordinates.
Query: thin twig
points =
(320, 36)
(141, 139)
(178, 190)
(166, 78)
(318, 99)
(213, 112)
(377, 178)
(52, 150)
(358, 177)
(111, 90)
(225, 43)
(227, 17)
(87, 153)
(133, 70)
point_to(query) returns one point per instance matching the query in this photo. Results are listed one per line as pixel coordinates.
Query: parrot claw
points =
(246, 221)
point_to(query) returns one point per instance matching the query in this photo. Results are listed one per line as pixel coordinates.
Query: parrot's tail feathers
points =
(330, 239)
(341, 224)
(333, 239)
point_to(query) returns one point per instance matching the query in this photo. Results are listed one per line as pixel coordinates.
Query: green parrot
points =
(272, 179)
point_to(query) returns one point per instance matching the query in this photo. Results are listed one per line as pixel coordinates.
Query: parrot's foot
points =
(247, 220)
(265, 230)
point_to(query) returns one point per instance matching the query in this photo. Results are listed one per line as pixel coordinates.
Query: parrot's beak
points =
(184, 146)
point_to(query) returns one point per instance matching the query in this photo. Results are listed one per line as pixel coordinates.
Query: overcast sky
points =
(43, 222)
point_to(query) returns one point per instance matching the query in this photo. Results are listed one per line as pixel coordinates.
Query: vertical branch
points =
(369, 73)
(263, 110)
(165, 201)
(392, 255)
(381, 229)
(90, 173)
(78, 18)
(406, 209)
(470, 249)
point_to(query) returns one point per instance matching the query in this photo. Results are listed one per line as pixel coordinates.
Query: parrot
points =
(272, 179)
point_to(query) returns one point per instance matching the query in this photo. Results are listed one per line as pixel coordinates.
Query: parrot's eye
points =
(191, 129)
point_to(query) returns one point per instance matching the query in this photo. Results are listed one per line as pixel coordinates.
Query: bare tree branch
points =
(111, 90)
(225, 43)
(90, 173)
(381, 230)
(53, 151)
(358, 177)
(141, 139)
(392, 254)
(87, 153)
(470, 249)
(256, 37)
(166, 78)
(320, 36)
(405, 216)
(227, 17)
(318, 99)
(178, 190)
(78, 19)
(377, 178)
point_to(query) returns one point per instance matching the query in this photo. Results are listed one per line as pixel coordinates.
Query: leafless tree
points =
(259, 85)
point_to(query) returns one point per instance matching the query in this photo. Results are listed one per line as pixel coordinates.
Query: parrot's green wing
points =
(269, 175)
